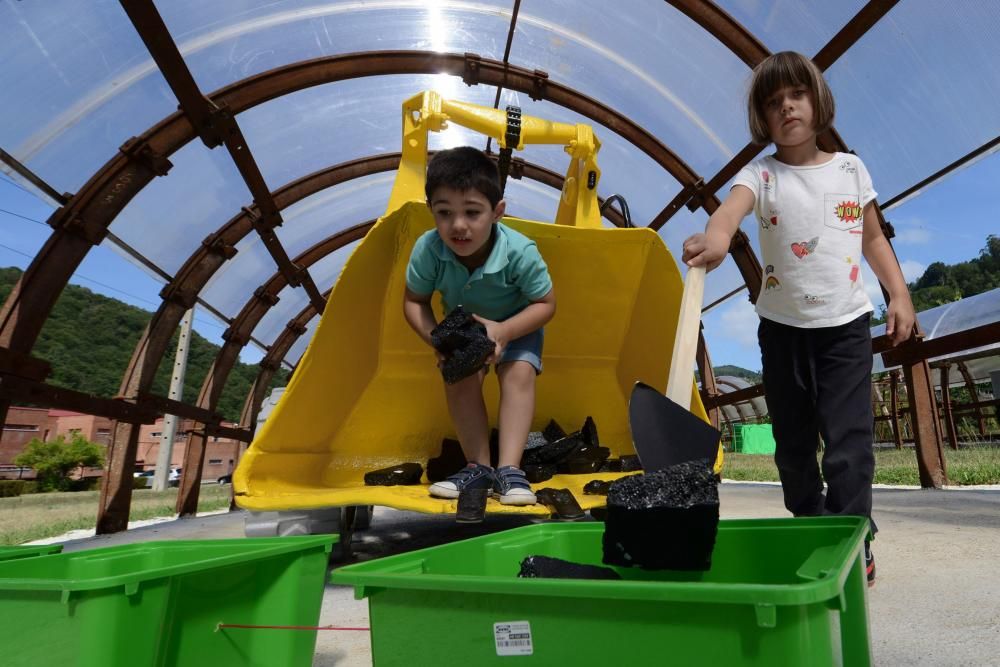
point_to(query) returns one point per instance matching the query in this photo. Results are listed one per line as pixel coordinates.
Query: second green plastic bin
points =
(780, 592)
(160, 604)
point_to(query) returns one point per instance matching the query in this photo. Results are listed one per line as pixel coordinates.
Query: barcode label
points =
(513, 638)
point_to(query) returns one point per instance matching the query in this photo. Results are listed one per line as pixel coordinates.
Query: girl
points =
(817, 218)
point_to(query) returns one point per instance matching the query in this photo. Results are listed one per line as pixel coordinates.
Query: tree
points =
(55, 460)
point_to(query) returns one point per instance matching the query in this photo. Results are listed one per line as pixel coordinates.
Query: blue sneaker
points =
(512, 488)
(472, 476)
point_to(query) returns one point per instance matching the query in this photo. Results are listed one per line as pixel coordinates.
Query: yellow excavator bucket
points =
(367, 393)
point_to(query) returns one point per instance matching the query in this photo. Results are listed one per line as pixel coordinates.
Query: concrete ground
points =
(936, 601)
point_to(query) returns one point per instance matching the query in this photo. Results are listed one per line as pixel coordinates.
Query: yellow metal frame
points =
(429, 112)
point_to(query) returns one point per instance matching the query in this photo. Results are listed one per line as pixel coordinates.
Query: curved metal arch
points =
(84, 221)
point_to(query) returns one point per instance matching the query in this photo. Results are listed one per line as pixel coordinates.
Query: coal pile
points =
(665, 520)
(557, 568)
(577, 453)
(463, 342)
(404, 474)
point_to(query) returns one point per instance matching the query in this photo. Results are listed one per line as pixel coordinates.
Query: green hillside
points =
(89, 339)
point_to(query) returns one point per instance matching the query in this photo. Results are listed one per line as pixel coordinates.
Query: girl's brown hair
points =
(777, 71)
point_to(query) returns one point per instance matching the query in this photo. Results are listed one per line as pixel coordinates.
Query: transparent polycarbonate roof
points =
(970, 312)
(78, 82)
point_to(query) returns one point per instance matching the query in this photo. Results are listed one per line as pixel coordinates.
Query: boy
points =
(498, 275)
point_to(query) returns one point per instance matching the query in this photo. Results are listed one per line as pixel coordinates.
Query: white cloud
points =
(740, 323)
(912, 269)
(912, 236)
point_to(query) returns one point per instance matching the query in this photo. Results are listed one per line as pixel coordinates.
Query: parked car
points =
(173, 478)
(225, 479)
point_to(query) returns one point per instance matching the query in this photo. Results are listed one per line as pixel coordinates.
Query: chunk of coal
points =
(553, 431)
(538, 472)
(447, 463)
(562, 502)
(535, 439)
(403, 474)
(554, 452)
(611, 465)
(631, 463)
(464, 344)
(589, 433)
(471, 506)
(666, 520)
(585, 460)
(597, 487)
(557, 568)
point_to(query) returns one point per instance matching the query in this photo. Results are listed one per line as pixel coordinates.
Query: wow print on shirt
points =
(842, 212)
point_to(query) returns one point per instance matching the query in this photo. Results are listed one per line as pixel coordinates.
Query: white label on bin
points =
(513, 638)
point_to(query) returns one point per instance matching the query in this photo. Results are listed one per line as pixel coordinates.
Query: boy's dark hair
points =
(464, 168)
(777, 71)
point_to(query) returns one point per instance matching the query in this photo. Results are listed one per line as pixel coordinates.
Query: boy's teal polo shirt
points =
(513, 276)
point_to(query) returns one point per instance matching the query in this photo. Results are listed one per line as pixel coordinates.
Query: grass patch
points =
(37, 516)
(967, 466)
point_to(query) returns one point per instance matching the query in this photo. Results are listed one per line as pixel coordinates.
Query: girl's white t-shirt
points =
(811, 225)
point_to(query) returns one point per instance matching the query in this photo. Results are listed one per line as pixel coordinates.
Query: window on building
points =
(155, 434)
(25, 428)
(213, 461)
(104, 431)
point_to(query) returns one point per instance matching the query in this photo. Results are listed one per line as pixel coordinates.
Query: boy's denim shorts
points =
(526, 348)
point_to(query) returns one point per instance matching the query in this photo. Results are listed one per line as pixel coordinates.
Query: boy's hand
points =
(899, 320)
(495, 332)
(706, 250)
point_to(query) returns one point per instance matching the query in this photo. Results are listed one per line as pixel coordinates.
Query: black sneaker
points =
(512, 488)
(472, 476)
(869, 565)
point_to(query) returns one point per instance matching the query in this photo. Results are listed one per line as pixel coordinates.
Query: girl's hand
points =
(440, 358)
(495, 332)
(899, 320)
(706, 250)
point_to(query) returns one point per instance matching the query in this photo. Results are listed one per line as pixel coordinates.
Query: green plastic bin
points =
(780, 592)
(160, 603)
(753, 439)
(27, 551)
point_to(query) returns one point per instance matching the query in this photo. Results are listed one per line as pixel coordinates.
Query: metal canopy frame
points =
(83, 219)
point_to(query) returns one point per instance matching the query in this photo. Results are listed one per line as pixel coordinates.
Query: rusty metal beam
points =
(737, 396)
(926, 428)
(974, 394)
(854, 30)
(217, 125)
(13, 387)
(946, 411)
(939, 347)
(724, 28)
(32, 178)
